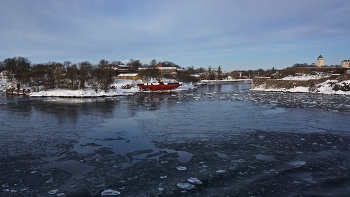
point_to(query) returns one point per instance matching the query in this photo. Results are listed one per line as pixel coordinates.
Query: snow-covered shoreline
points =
(326, 87)
(117, 90)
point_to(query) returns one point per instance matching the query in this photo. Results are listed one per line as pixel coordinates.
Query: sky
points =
(232, 34)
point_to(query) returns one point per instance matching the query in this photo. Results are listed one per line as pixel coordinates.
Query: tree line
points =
(68, 75)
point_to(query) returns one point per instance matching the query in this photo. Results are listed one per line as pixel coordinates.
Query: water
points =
(235, 142)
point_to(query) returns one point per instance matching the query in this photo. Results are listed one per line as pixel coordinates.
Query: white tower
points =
(320, 61)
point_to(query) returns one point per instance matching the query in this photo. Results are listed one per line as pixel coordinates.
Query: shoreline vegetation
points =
(118, 88)
(18, 76)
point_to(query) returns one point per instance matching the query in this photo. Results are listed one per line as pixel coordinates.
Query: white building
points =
(320, 61)
(345, 63)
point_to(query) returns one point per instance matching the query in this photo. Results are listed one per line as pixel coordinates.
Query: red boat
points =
(159, 86)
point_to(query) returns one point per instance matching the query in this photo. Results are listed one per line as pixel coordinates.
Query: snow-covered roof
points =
(161, 68)
(128, 75)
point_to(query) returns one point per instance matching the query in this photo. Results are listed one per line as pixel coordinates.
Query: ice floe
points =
(297, 163)
(110, 192)
(181, 168)
(185, 186)
(195, 181)
(53, 191)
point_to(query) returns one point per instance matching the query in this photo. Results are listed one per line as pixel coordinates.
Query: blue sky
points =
(235, 34)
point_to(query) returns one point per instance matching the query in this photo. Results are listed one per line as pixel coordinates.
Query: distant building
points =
(165, 70)
(320, 61)
(130, 76)
(121, 68)
(345, 63)
(3, 74)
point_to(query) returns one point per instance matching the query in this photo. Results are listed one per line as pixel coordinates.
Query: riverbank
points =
(120, 87)
(302, 85)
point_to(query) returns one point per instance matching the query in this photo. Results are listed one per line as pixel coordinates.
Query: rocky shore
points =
(314, 81)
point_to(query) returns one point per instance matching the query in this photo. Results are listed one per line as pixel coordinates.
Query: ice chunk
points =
(164, 177)
(220, 171)
(194, 180)
(24, 189)
(53, 191)
(297, 163)
(185, 186)
(61, 194)
(160, 189)
(5, 185)
(49, 181)
(181, 168)
(110, 192)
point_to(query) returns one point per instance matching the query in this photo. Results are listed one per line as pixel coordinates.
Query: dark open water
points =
(236, 142)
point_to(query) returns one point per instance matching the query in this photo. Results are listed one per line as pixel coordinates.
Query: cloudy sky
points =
(235, 34)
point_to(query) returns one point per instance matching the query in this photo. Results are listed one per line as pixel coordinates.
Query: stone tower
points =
(320, 61)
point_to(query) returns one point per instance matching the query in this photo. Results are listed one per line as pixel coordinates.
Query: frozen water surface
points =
(235, 142)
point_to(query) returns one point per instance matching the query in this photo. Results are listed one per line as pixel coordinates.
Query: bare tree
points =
(134, 66)
(72, 74)
(85, 69)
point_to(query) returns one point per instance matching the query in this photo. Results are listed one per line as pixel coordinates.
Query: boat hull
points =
(159, 87)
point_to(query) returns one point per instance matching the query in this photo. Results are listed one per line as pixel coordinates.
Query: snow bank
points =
(326, 87)
(305, 77)
(115, 90)
(4, 84)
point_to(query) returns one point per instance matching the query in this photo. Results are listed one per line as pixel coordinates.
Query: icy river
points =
(217, 140)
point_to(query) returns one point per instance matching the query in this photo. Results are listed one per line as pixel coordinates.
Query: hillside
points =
(327, 80)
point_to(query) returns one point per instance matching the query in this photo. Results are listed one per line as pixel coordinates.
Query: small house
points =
(130, 76)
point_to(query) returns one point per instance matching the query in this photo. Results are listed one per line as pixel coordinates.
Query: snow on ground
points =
(305, 77)
(322, 88)
(117, 90)
(4, 84)
(296, 89)
(327, 87)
